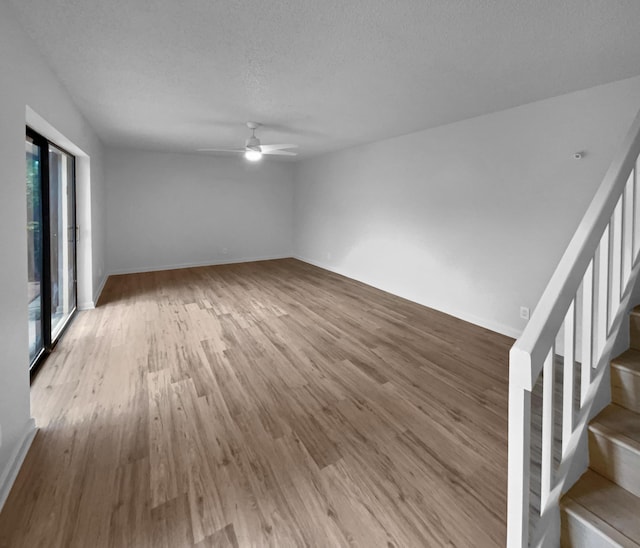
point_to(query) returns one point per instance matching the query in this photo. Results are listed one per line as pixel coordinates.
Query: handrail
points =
(538, 335)
(605, 244)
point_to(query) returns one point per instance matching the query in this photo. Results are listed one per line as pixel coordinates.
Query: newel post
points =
(519, 449)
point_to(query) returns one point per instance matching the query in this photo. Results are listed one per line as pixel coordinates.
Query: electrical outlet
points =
(225, 251)
(329, 256)
(524, 312)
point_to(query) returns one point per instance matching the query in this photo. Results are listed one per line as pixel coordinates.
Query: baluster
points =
(627, 232)
(616, 259)
(636, 211)
(587, 331)
(548, 414)
(567, 379)
(602, 314)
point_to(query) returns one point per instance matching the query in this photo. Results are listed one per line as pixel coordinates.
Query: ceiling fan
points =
(253, 150)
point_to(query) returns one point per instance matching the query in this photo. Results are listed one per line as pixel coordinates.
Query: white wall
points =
(469, 218)
(27, 81)
(169, 210)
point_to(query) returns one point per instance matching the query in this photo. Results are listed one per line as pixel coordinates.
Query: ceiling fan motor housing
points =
(253, 143)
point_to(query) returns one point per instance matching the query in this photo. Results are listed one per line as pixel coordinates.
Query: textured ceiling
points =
(326, 74)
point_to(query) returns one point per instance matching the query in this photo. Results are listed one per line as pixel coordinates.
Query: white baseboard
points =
(492, 325)
(96, 295)
(11, 469)
(137, 270)
(90, 305)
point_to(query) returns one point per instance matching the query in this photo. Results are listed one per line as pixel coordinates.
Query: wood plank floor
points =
(264, 404)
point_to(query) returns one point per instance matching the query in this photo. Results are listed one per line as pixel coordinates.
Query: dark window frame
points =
(48, 344)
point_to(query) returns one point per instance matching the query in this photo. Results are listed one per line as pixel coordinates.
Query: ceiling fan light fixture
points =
(253, 155)
(253, 150)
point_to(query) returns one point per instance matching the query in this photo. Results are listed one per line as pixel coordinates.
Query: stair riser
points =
(617, 462)
(634, 321)
(579, 533)
(625, 389)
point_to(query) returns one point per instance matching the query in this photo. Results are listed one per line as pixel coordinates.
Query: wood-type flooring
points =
(264, 404)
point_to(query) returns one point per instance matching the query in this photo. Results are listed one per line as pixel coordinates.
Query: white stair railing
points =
(578, 316)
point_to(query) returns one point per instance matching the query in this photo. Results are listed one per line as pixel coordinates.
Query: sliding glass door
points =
(51, 236)
(62, 238)
(34, 246)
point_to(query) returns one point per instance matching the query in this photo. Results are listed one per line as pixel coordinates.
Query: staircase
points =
(560, 419)
(603, 507)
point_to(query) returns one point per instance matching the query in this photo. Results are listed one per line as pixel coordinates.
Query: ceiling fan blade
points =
(279, 152)
(221, 150)
(267, 148)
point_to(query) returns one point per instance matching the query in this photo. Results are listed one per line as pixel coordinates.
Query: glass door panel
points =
(34, 247)
(51, 237)
(62, 238)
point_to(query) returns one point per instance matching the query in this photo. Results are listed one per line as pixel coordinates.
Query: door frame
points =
(48, 344)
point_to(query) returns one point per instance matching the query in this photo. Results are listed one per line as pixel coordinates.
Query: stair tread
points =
(619, 423)
(609, 502)
(595, 534)
(629, 360)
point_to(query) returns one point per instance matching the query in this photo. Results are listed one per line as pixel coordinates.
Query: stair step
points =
(625, 379)
(634, 327)
(614, 447)
(596, 512)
